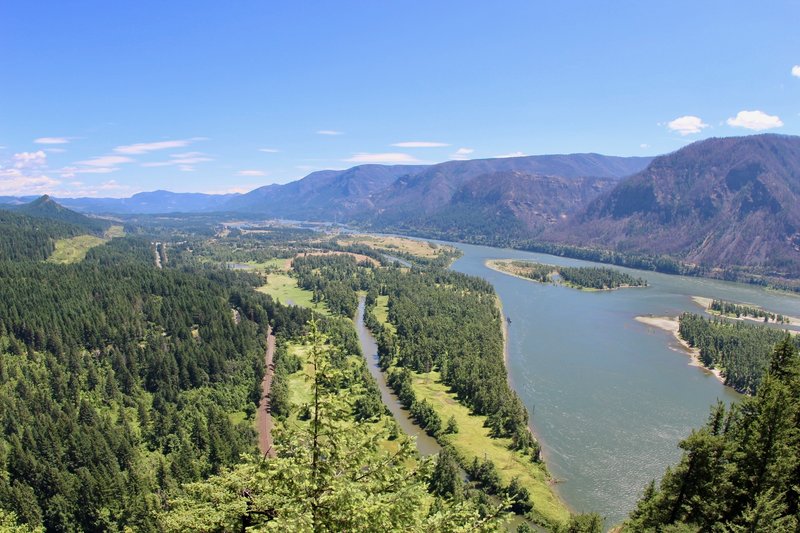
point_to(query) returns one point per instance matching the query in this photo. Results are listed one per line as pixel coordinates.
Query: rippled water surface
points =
(610, 397)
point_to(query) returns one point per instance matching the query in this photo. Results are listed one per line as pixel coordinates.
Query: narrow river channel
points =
(426, 444)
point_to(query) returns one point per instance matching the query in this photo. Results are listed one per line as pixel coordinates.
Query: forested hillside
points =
(28, 238)
(718, 203)
(117, 382)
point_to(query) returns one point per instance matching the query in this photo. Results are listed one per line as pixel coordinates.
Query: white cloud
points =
(512, 154)
(71, 172)
(755, 120)
(796, 71)
(644, 145)
(15, 182)
(269, 150)
(51, 140)
(105, 161)
(386, 158)
(108, 188)
(30, 159)
(143, 148)
(687, 124)
(329, 132)
(420, 144)
(185, 160)
(251, 173)
(462, 153)
(55, 150)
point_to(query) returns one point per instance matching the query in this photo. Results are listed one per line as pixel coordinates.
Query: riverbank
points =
(473, 439)
(672, 325)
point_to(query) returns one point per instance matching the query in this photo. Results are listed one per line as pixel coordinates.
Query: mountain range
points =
(721, 204)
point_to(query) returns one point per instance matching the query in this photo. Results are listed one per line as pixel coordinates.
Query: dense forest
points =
(738, 310)
(128, 394)
(30, 238)
(740, 472)
(741, 351)
(118, 382)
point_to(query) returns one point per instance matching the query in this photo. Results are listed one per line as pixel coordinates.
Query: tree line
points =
(738, 310)
(741, 351)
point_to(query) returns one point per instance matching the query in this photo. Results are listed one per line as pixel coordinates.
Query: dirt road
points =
(264, 415)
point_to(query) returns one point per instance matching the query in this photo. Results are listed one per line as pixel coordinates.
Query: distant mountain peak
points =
(719, 202)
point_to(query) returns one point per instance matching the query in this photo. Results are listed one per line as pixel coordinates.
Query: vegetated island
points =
(581, 278)
(750, 312)
(737, 353)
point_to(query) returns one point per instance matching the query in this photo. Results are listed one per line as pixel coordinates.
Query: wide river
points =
(610, 398)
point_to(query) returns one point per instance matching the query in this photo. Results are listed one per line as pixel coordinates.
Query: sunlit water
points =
(610, 397)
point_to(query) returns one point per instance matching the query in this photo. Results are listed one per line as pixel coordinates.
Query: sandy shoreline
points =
(490, 264)
(671, 325)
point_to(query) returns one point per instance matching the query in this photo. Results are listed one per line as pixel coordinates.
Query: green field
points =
(73, 250)
(473, 440)
(382, 313)
(284, 288)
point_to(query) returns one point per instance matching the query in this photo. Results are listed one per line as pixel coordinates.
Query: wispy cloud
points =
(755, 120)
(30, 159)
(184, 161)
(105, 161)
(51, 140)
(462, 153)
(644, 146)
(796, 71)
(386, 158)
(420, 144)
(686, 125)
(72, 171)
(143, 148)
(512, 154)
(269, 150)
(254, 173)
(14, 181)
(24, 173)
(329, 132)
(103, 164)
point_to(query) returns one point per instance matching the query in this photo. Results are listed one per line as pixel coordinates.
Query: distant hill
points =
(46, 207)
(496, 200)
(500, 208)
(150, 203)
(718, 203)
(436, 196)
(29, 231)
(324, 195)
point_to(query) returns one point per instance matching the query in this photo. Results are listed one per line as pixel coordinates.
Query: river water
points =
(610, 398)
(426, 444)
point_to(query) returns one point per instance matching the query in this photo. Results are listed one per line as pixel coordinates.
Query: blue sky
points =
(111, 98)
